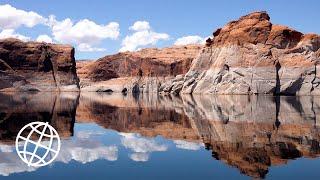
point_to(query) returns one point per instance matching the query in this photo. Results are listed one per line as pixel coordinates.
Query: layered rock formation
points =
(253, 56)
(141, 71)
(34, 66)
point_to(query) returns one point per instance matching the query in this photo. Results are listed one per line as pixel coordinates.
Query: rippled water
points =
(111, 136)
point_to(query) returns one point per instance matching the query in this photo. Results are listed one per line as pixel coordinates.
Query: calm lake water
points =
(115, 136)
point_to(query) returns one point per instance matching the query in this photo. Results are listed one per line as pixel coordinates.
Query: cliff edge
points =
(253, 56)
(33, 66)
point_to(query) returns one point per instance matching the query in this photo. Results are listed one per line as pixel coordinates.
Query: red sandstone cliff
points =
(33, 66)
(253, 56)
(141, 71)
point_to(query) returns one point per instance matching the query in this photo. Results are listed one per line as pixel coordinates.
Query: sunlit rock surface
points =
(34, 66)
(253, 56)
(142, 71)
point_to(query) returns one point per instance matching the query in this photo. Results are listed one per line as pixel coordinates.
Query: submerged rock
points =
(253, 56)
(33, 66)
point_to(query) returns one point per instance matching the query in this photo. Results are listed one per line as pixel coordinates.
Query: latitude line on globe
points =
(38, 143)
(35, 143)
(37, 131)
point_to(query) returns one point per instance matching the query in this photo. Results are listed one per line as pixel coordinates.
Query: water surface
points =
(112, 136)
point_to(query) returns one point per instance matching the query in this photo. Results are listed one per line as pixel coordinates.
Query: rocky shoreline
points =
(247, 56)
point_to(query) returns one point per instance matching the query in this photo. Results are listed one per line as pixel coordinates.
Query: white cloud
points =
(88, 134)
(44, 38)
(139, 157)
(10, 33)
(140, 26)
(143, 35)
(12, 18)
(189, 40)
(140, 146)
(85, 32)
(11, 163)
(86, 148)
(187, 145)
(6, 148)
(88, 48)
(85, 154)
(83, 150)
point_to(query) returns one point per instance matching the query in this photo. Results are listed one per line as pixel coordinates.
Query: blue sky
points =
(171, 19)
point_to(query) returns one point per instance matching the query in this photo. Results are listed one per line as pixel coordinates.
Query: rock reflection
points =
(250, 133)
(149, 115)
(17, 110)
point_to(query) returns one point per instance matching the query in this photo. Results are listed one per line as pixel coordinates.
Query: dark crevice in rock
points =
(277, 102)
(53, 109)
(314, 78)
(124, 91)
(313, 112)
(105, 90)
(46, 64)
(278, 84)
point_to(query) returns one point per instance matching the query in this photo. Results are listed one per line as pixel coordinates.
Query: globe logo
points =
(38, 144)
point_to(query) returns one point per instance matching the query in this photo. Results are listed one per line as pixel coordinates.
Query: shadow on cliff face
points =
(251, 133)
(17, 110)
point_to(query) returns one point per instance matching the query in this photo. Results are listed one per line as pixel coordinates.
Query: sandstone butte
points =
(132, 72)
(253, 56)
(246, 56)
(33, 66)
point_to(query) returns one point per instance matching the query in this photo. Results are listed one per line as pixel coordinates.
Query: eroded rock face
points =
(253, 56)
(33, 66)
(142, 71)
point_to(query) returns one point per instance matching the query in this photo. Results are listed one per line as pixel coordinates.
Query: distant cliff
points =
(141, 71)
(33, 66)
(253, 56)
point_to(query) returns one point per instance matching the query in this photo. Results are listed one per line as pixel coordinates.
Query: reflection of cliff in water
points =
(247, 132)
(146, 115)
(255, 132)
(20, 109)
(250, 133)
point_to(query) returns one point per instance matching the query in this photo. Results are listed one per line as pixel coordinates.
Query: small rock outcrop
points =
(141, 71)
(253, 56)
(33, 66)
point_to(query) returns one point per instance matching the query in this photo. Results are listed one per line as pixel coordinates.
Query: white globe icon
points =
(38, 144)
